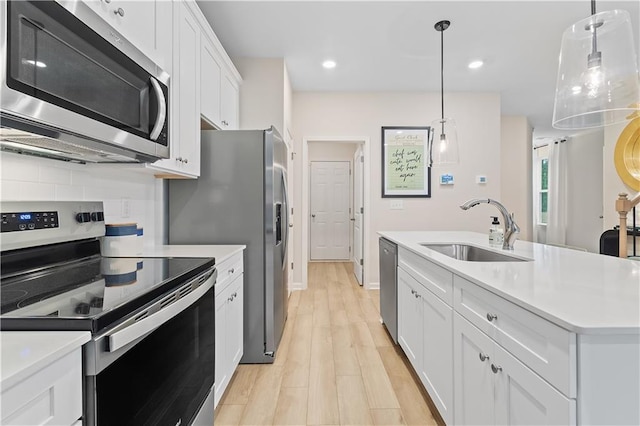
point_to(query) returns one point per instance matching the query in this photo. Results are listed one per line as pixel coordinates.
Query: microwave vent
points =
(27, 143)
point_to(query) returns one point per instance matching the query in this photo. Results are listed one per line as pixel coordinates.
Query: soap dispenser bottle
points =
(496, 234)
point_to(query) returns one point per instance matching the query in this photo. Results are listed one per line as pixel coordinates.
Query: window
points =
(544, 191)
(541, 184)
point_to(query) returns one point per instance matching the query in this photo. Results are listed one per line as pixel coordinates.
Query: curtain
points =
(557, 205)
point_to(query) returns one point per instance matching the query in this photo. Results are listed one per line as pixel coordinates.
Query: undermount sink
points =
(471, 253)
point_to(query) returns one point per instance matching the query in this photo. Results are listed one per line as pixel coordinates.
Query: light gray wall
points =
(516, 163)
(355, 115)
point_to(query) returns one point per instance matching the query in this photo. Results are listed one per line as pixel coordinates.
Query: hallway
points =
(336, 365)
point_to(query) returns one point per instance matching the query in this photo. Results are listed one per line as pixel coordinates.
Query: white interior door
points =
(358, 210)
(329, 196)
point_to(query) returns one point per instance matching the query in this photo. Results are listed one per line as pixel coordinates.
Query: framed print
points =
(405, 172)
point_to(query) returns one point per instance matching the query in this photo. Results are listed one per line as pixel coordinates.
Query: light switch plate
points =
(397, 204)
(481, 179)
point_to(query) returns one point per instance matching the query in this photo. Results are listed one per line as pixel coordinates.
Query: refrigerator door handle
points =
(286, 215)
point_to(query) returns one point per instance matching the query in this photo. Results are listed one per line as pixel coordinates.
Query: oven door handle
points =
(140, 328)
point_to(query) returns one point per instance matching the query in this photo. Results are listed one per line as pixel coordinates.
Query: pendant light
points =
(597, 81)
(443, 140)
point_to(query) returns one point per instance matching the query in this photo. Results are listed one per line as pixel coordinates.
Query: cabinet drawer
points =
(51, 396)
(228, 270)
(435, 278)
(544, 347)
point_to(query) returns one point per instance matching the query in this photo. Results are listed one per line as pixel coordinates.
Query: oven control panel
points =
(35, 223)
(28, 221)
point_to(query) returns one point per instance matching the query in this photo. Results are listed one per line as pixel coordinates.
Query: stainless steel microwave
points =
(69, 93)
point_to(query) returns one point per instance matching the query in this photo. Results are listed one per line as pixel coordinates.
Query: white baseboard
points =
(372, 286)
(295, 287)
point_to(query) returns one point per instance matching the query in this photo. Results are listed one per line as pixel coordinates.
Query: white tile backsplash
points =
(30, 178)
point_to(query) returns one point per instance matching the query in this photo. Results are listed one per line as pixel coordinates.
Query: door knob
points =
(119, 11)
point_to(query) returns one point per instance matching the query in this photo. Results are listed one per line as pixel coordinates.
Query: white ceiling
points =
(392, 45)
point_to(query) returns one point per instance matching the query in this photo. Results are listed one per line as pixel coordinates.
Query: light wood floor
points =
(336, 365)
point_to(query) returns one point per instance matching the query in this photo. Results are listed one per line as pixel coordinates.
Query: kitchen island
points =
(552, 337)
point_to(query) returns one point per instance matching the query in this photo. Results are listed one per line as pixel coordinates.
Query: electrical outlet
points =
(481, 179)
(125, 207)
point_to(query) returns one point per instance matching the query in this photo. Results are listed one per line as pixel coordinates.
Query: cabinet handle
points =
(235, 294)
(417, 295)
(119, 11)
(230, 298)
(495, 368)
(483, 357)
(492, 317)
(186, 160)
(232, 270)
(179, 159)
(107, 1)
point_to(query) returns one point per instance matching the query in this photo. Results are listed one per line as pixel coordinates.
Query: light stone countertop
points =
(582, 292)
(26, 352)
(219, 252)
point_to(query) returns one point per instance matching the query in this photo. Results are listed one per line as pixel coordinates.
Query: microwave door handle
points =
(144, 326)
(162, 109)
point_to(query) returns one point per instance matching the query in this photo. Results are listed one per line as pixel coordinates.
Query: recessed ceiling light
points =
(329, 64)
(475, 64)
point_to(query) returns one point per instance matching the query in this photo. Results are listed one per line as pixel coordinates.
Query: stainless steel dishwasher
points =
(389, 286)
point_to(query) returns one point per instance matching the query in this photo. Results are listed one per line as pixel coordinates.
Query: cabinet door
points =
(229, 104)
(209, 82)
(410, 323)
(134, 20)
(437, 354)
(221, 365)
(188, 113)
(185, 99)
(235, 315)
(522, 397)
(473, 379)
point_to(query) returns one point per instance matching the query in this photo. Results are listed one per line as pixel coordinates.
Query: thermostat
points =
(446, 179)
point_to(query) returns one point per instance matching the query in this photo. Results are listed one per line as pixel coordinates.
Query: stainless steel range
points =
(151, 357)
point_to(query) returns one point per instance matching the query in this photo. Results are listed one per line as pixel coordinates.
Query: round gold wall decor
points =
(626, 156)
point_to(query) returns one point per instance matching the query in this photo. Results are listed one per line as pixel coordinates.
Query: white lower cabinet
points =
(493, 387)
(482, 359)
(409, 319)
(51, 396)
(425, 328)
(229, 301)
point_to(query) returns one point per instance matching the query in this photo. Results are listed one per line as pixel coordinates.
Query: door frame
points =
(366, 148)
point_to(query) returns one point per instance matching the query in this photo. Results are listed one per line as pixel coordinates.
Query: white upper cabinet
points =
(145, 24)
(204, 91)
(210, 75)
(184, 117)
(219, 99)
(229, 103)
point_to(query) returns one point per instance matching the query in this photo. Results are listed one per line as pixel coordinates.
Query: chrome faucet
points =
(511, 228)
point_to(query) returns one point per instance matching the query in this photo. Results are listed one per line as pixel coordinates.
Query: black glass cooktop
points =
(90, 293)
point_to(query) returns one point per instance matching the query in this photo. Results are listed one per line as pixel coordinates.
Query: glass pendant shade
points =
(443, 142)
(598, 82)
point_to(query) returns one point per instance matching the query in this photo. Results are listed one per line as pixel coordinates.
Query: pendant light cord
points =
(442, 76)
(593, 7)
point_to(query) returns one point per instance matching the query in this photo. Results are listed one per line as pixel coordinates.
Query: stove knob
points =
(97, 216)
(82, 308)
(83, 217)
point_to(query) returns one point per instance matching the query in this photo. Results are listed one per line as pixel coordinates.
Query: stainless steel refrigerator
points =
(241, 198)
